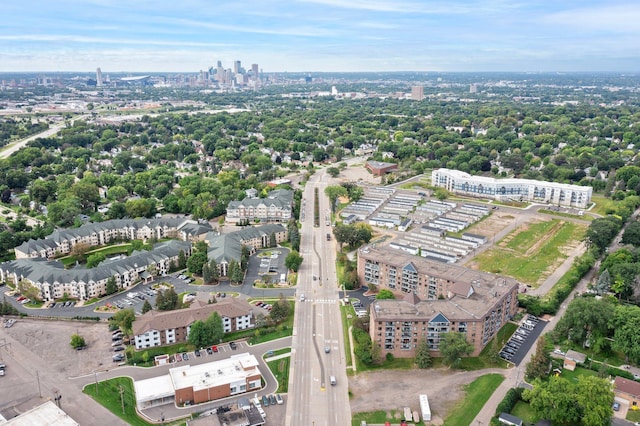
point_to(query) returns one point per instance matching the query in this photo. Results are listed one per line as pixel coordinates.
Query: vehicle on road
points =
(302, 297)
(332, 380)
(327, 349)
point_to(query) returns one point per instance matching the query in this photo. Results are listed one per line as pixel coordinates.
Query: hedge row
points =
(537, 306)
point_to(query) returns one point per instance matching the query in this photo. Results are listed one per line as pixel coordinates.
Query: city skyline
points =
(320, 36)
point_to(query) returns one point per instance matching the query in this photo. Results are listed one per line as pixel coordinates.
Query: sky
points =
(320, 35)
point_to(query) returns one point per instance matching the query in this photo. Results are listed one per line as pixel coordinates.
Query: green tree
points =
(602, 231)
(333, 192)
(167, 300)
(213, 270)
(632, 234)
(206, 273)
(77, 341)
(385, 294)
(198, 334)
(540, 363)
(423, 356)
(182, 260)
(215, 328)
(585, 317)
(94, 259)
(293, 261)
(333, 171)
(272, 240)
(586, 402)
(453, 346)
(626, 339)
(235, 272)
(123, 319)
(280, 310)
(244, 257)
(146, 306)
(196, 261)
(112, 286)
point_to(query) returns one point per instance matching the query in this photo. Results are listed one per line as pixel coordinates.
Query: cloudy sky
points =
(320, 35)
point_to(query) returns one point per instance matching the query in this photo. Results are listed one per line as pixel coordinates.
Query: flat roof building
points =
(187, 384)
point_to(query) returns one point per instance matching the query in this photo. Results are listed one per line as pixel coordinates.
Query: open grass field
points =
(524, 411)
(477, 394)
(603, 205)
(532, 251)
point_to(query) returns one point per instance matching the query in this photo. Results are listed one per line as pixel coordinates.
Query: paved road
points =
(312, 399)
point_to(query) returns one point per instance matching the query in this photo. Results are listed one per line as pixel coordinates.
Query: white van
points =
(332, 380)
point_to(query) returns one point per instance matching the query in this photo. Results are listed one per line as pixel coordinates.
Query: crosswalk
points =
(331, 301)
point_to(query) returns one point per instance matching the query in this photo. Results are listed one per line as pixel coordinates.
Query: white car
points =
(302, 297)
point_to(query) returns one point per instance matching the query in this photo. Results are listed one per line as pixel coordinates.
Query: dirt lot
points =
(392, 390)
(49, 340)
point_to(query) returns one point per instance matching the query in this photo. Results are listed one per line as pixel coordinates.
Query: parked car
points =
(272, 399)
(185, 357)
(265, 400)
(214, 348)
(118, 349)
(197, 353)
(616, 406)
(209, 351)
(279, 399)
(233, 345)
(118, 358)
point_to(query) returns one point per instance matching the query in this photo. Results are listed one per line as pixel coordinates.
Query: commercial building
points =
(159, 328)
(417, 93)
(277, 207)
(53, 281)
(197, 384)
(529, 190)
(438, 298)
(379, 168)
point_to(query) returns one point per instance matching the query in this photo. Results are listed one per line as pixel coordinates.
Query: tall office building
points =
(417, 93)
(99, 81)
(236, 67)
(254, 72)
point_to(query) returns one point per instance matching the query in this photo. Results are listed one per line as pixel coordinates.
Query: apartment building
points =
(434, 298)
(53, 281)
(537, 191)
(61, 242)
(159, 328)
(276, 208)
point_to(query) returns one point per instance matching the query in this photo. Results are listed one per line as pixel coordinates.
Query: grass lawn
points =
(280, 369)
(108, 395)
(603, 205)
(530, 254)
(70, 260)
(633, 415)
(478, 393)
(524, 411)
(579, 371)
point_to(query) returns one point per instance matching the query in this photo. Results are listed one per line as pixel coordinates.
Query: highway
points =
(312, 399)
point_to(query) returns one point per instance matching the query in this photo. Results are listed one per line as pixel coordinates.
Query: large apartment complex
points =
(61, 242)
(158, 328)
(536, 191)
(277, 207)
(438, 298)
(54, 281)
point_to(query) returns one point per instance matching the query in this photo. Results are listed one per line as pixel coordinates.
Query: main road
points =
(312, 399)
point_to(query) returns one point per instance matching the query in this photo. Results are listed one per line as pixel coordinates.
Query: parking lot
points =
(522, 339)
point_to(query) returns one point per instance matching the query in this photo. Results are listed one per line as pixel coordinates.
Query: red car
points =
(214, 348)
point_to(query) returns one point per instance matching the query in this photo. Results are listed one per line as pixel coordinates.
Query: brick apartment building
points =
(438, 298)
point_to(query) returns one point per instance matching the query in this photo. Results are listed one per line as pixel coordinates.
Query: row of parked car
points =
(67, 304)
(263, 305)
(517, 339)
(117, 345)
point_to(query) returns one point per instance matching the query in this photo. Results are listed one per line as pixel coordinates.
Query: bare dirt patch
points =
(391, 390)
(49, 341)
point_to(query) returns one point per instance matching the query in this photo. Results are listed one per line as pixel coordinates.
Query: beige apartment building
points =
(432, 299)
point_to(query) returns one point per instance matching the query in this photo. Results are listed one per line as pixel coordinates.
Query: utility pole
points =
(122, 398)
(39, 389)
(95, 376)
